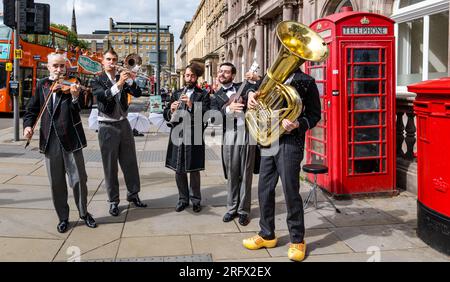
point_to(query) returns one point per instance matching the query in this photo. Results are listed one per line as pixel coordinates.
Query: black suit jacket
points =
(64, 115)
(194, 155)
(101, 87)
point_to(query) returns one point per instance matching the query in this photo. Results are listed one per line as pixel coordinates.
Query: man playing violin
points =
(115, 135)
(238, 157)
(61, 140)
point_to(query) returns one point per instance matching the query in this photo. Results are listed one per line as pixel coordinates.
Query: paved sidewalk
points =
(158, 233)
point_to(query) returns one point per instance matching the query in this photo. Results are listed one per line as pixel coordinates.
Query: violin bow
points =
(50, 94)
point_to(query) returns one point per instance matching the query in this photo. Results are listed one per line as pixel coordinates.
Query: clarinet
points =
(175, 119)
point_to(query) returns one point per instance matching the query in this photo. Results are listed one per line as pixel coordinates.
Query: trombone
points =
(133, 64)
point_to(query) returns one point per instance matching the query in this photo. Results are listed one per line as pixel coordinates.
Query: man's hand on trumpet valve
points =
(252, 103)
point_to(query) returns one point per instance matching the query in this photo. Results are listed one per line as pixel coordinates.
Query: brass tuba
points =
(277, 101)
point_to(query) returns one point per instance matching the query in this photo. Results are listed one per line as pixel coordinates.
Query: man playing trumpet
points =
(115, 135)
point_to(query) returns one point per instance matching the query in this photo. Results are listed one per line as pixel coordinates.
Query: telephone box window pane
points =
(366, 72)
(318, 132)
(383, 71)
(366, 87)
(366, 119)
(320, 87)
(317, 73)
(367, 150)
(349, 55)
(383, 55)
(316, 159)
(367, 166)
(368, 56)
(367, 103)
(349, 72)
(317, 147)
(438, 53)
(367, 134)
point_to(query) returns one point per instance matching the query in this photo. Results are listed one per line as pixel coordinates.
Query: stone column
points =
(300, 12)
(259, 34)
(229, 12)
(246, 52)
(288, 9)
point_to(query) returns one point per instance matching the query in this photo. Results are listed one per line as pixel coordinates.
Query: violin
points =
(62, 84)
(65, 84)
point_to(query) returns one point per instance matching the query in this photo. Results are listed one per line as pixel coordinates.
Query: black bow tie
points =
(228, 89)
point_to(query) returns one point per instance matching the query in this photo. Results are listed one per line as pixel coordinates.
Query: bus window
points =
(27, 85)
(61, 42)
(42, 71)
(45, 40)
(5, 32)
(2, 76)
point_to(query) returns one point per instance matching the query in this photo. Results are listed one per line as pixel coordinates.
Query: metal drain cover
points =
(192, 258)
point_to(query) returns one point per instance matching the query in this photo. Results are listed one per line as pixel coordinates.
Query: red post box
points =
(356, 136)
(432, 107)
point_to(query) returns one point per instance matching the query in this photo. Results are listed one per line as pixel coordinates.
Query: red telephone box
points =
(356, 136)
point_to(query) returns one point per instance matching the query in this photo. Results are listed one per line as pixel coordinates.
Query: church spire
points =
(74, 19)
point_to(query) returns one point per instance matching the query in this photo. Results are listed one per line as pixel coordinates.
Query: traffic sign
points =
(18, 54)
(9, 67)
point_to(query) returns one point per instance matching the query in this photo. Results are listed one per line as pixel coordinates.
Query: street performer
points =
(238, 156)
(186, 148)
(115, 135)
(285, 164)
(61, 140)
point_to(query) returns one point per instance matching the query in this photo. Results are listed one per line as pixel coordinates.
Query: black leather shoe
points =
(197, 208)
(181, 206)
(63, 226)
(114, 210)
(244, 219)
(228, 217)
(137, 202)
(89, 220)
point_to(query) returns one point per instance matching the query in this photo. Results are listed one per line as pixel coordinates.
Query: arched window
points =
(335, 6)
(421, 55)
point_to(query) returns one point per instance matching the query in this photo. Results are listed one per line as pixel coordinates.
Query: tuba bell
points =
(277, 101)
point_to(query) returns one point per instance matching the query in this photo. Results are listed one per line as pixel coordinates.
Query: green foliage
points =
(72, 36)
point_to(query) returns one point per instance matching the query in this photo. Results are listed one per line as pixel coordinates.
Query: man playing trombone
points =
(115, 135)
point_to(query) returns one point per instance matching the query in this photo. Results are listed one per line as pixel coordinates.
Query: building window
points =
(421, 54)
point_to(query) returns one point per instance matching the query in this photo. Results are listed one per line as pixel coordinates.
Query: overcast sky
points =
(94, 15)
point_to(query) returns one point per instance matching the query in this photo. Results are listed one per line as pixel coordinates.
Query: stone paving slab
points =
(27, 223)
(155, 246)
(18, 169)
(225, 246)
(356, 213)
(160, 222)
(386, 237)
(24, 197)
(103, 235)
(28, 250)
(312, 220)
(43, 181)
(319, 242)
(4, 178)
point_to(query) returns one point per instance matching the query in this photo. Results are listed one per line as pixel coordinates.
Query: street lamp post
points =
(16, 72)
(158, 39)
